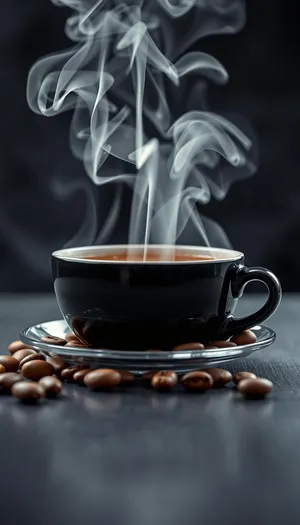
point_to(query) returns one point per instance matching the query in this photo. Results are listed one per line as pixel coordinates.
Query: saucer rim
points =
(127, 355)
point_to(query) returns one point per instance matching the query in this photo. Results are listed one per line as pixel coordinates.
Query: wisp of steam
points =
(127, 80)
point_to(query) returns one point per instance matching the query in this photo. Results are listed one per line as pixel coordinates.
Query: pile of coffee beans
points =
(30, 376)
(27, 375)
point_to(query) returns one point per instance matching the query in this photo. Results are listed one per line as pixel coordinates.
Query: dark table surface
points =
(138, 457)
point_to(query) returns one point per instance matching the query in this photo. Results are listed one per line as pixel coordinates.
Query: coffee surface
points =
(152, 256)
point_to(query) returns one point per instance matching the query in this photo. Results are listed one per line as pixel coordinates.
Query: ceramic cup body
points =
(142, 305)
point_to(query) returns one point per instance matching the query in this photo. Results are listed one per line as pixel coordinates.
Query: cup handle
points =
(239, 281)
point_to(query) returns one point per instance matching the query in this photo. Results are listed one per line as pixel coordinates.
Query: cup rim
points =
(69, 254)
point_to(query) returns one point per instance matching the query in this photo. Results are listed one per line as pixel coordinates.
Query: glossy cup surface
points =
(141, 305)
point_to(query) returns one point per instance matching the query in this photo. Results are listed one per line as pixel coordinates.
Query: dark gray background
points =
(261, 215)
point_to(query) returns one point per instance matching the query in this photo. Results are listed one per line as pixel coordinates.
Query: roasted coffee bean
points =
(27, 392)
(52, 340)
(189, 346)
(164, 380)
(80, 375)
(75, 341)
(51, 385)
(15, 346)
(245, 338)
(67, 374)
(58, 364)
(127, 378)
(220, 376)
(20, 354)
(10, 363)
(197, 381)
(32, 357)
(71, 337)
(37, 369)
(2, 369)
(243, 375)
(255, 388)
(77, 344)
(8, 380)
(102, 379)
(222, 344)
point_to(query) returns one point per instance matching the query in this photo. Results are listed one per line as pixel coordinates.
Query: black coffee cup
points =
(136, 305)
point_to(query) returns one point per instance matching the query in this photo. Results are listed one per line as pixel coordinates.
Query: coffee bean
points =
(243, 375)
(10, 363)
(76, 343)
(102, 379)
(222, 344)
(27, 392)
(37, 369)
(220, 376)
(255, 388)
(51, 385)
(71, 337)
(52, 340)
(67, 374)
(32, 357)
(58, 364)
(197, 381)
(8, 380)
(164, 380)
(20, 354)
(245, 338)
(15, 346)
(2, 369)
(189, 346)
(127, 378)
(80, 375)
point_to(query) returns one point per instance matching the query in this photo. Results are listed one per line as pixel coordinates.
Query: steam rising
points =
(125, 80)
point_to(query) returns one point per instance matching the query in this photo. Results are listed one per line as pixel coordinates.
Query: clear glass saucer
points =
(139, 362)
